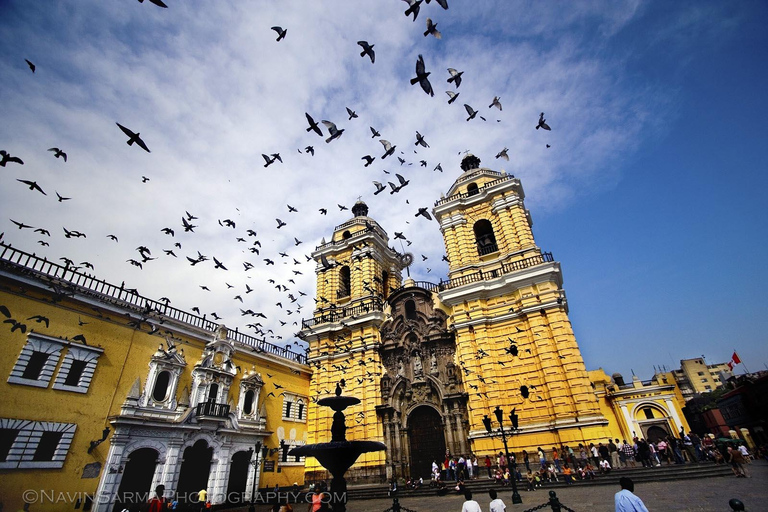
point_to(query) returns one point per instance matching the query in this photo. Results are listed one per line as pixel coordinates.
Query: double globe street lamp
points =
(513, 420)
(259, 448)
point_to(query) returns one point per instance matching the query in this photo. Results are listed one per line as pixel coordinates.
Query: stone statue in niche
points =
(400, 368)
(433, 363)
(418, 370)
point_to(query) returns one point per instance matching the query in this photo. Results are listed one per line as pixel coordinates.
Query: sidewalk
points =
(702, 495)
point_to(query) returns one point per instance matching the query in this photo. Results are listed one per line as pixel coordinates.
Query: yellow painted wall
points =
(126, 355)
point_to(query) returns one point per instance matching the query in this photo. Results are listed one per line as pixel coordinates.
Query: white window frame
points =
(37, 343)
(28, 439)
(295, 400)
(87, 354)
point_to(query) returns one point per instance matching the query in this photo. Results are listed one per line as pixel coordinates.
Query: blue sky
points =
(651, 196)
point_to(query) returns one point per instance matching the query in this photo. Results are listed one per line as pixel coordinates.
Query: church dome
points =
(360, 209)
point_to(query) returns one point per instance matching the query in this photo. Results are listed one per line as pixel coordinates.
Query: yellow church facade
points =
(107, 394)
(431, 361)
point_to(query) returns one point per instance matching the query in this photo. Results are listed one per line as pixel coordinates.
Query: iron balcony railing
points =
(487, 249)
(473, 193)
(212, 409)
(334, 314)
(65, 277)
(432, 287)
(505, 268)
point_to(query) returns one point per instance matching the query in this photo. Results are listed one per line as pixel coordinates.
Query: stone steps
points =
(639, 474)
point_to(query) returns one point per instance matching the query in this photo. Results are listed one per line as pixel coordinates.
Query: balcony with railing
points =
(505, 268)
(462, 195)
(66, 280)
(335, 313)
(488, 248)
(212, 410)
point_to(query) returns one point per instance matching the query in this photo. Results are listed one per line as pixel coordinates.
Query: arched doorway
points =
(654, 433)
(427, 440)
(137, 479)
(195, 469)
(238, 477)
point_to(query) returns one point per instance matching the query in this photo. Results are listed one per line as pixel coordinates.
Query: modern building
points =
(107, 394)
(696, 376)
(431, 362)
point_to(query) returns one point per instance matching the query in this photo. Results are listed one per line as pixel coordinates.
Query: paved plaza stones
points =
(709, 494)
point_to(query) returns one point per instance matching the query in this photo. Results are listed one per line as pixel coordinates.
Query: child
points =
(568, 472)
(531, 481)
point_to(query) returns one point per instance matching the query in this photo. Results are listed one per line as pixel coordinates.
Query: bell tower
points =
(355, 272)
(514, 341)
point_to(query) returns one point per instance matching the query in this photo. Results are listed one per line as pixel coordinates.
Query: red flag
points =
(730, 365)
(735, 358)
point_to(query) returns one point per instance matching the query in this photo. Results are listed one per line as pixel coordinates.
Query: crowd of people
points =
(585, 461)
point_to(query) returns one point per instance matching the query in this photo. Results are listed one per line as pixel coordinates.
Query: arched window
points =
(472, 189)
(345, 285)
(248, 402)
(161, 386)
(486, 241)
(385, 283)
(410, 310)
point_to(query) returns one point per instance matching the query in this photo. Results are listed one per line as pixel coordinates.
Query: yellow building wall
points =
(126, 356)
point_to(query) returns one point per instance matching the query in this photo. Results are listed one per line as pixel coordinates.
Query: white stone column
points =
(110, 479)
(172, 466)
(218, 477)
(674, 415)
(631, 425)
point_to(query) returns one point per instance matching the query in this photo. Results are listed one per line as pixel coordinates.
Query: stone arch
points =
(638, 408)
(139, 443)
(485, 237)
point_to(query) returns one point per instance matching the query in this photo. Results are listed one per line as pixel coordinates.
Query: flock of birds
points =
(291, 300)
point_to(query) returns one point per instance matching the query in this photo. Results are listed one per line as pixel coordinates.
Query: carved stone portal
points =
(420, 382)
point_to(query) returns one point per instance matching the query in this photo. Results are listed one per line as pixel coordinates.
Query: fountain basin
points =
(338, 456)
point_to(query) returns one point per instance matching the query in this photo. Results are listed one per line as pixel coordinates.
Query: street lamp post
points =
(259, 449)
(513, 419)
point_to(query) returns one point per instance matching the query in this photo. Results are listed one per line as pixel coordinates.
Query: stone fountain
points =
(338, 455)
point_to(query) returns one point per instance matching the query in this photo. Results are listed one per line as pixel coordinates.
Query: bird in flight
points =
(388, 148)
(61, 198)
(280, 223)
(280, 33)
(375, 132)
(432, 29)
(33, 186)
(452, 95)
(455, 76)
(503, 154)
(543, 123)
(134, 137)
(313, 125)
(368, 160)
(472, 112)
(21, 225)
(495, 103)
(367, 50)
(158, 3)
(310, 150)
(269, 160)
(420, 140)
(413, 8)
(379, 188)
(424, 213)
(421, 77)
(352, 114)
(396, 188)
(58, 153)
(6, 157)
(31, 66)
(335, 132)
